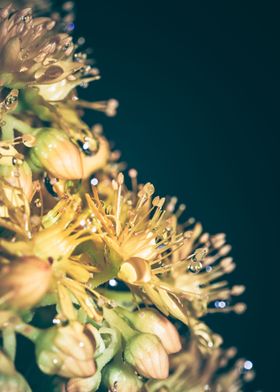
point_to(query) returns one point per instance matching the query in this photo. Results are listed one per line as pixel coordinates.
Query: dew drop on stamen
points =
(195, 267)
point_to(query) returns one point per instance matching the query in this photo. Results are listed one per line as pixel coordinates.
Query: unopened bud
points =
(57, 154)
(66, 351)
(151, 321)
(147, 355)
(24, 281)
(121, 377)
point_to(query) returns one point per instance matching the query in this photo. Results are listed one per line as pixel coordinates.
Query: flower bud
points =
(24, 281)
(66, 351)
(121, 377)
(146, 354)
(57, 154)
(151, 321)
(19, 176)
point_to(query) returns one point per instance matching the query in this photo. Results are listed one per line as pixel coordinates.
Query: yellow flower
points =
(133, 226)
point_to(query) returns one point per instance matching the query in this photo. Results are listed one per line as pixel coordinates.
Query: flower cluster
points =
(98, 275)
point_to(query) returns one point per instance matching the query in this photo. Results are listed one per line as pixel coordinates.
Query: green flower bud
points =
(66, 351)
(147, 355)
(152, 321)
(55, 152)
(121, 377)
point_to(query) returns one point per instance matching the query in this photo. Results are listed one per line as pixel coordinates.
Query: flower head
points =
(34, 54)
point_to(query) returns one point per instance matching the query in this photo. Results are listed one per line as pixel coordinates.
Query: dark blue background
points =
(198, 86)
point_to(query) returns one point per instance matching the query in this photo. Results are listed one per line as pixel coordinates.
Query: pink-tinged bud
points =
(66, 351)
(24, 281)
(151, 321)
(57, 154)
(147, 355)
(121, 377)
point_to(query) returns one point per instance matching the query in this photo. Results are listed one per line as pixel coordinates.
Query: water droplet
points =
(94, 181)
(113, 283)
(38, 203)
(195, 267)
(248, 365)
(26, 18)
(49, 186)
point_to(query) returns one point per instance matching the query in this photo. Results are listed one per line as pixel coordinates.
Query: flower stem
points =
(117, 322)
(28, 331)
(9, 342)
(19, 125)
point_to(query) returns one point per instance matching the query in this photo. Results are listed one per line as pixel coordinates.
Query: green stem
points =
(117, 322)
(28, 331)
(9, 342)
(49, 299)
(19, 125)
(7, 131)
(122, 298)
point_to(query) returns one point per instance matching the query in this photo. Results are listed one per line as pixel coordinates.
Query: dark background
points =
(198, 83)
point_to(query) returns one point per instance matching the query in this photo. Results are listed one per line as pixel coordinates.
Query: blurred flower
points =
(209, 294)
(32, 53)
(24, 281)
(18, 175)
(57, 154)
(146, 354)
(189, 375)
(66, 351)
